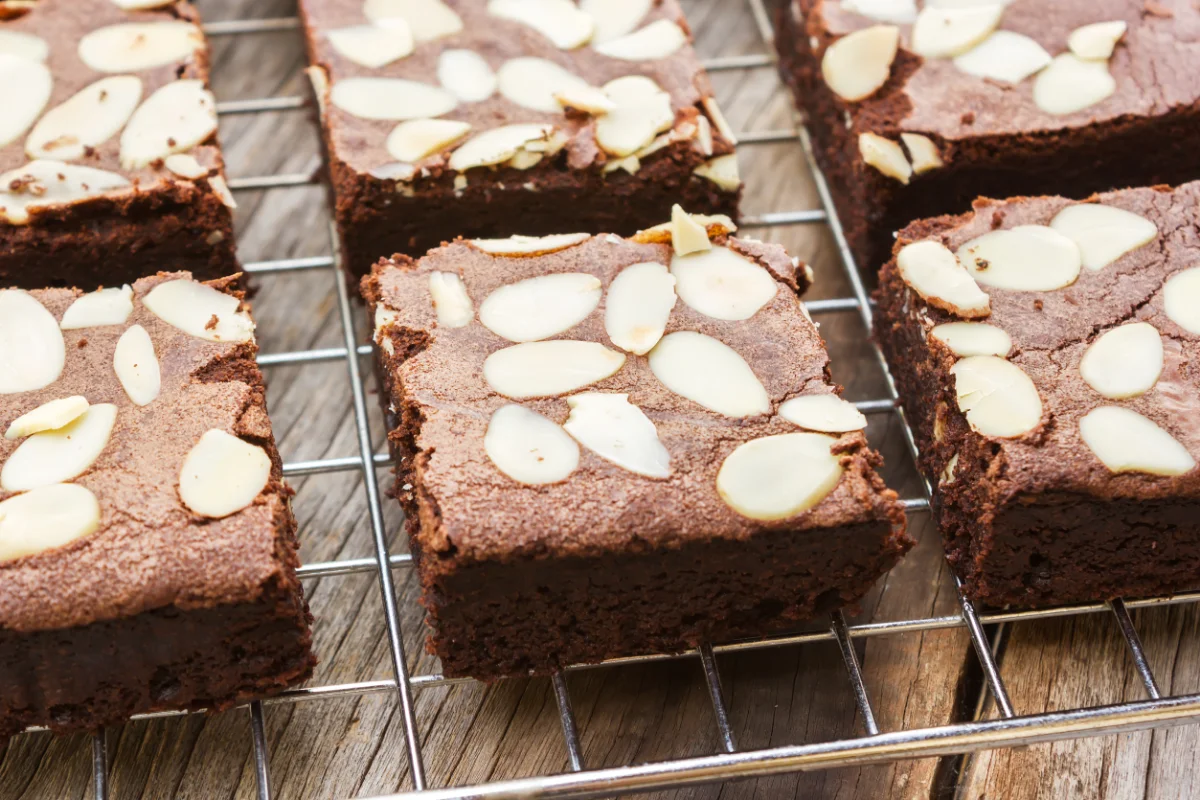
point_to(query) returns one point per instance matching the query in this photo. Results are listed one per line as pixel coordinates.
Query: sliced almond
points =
(709, 372)
(174, 119)
(1004, 56)
(529, 448)
(945, 32)
(1096, 42)
(704, 139)
(450, 300)
(373, 46)
(932, 271)
(391, 98)
(222, 474)
(541, 307)
(1103, 233)
(135, 46)
(617, 431)
(47, 417)
(659, 39)
(899, 12)
(185, 166)
(25, 45)
(427, 19)
(59, 455)
(97, 309)
(547, 369)
(466, 75)
(136, 366)
(530, 245)
(922, 152)
(201, 311)
(827, 413)
(996, 396)
(615, 18)
(88, 118)
(560, 21)
(419, 138)
(722, 170)
(722, 284)
(947, 476)
(1071, 84)
(44, 183)
(687, 234)
(32, 352)
(1027, 258)
(221, 190)
(885, 155)
(25, 87)
(638, 306)
(584, 98)
(777, 477)
(973, 339)
(496, 146)
(859, 63)
(1181, 299)
(1124, 362)
(48, 517)
(715, 224)
(1125, 441)
(718, 119)
(643, 110)
(533, 83)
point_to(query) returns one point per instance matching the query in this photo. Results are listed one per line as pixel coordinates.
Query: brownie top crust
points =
(647, 469)
(137, 468)
(103, 102)
(505, 83)
(1068, 335)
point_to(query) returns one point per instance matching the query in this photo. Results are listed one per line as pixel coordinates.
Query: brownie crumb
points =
(82, 343)
(212, 323)
(968, 118)
(1037, 305)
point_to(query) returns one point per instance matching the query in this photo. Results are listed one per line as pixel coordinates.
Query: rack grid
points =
(872, 748)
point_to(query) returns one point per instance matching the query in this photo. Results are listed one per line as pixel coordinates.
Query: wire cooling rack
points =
(873, 747)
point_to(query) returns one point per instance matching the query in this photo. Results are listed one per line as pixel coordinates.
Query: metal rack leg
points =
(713, 678)
(262, 769)
(566, 716)
(100, 765)
(856, 682)
(1135, 647)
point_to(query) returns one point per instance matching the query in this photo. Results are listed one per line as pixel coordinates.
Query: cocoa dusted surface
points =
(995, 142)
(159, 608)
(1039, 520)
(506, 568)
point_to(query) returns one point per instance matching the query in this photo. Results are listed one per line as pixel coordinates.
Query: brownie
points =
(1045, 351)
(483, 117)
(109, 165)
(147, 544)
(563, 504)
(997, 100)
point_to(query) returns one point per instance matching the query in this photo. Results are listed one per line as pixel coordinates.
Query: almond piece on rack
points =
(1004, 56)
(996, 396)
(97, 309)
(547, 369)
(529, 448)
(32, 351)
(826, 413)
(722, 284)
(859, 63)
(450, 300)
(56, 456)
(533, 83)
(1097, 41)
(1126, 441)
(25, 87)
(222, 474)
(922, 152)
(44, 183)
(497, 145)
(615, 18)
(540, 307)
(419, 138)
(174, 119)
(1103, 233)
(201, 311)
(391, 98)
(973, 339)
(88, 118)
(48, 517)
(618, 431)
(776, 477)
(659, 39)
(583, 97)
(885, 155)
(47, 417)
(136, 366)
(530, 245)
(135, 46)
(25, 45)
(643, 110)
(709, 372)
(560, 21)
(898, 12)
(373, 46)
(638, 306)
(427, 19)
(932, 271)
(1181, 299)
(1072, 84)
(946, 32)
(466, 75)
(1027, 258)
(1124, 362)
(722, 170)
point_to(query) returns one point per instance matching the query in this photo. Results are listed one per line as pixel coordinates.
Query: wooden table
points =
(342, 748)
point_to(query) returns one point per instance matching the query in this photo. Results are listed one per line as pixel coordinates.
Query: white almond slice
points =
(777, 477)
(704, 139)
(185, 166)
(1125, 441)
(373, 46)
(560, 21)
(643, 110)
(1181, 300)
(496, 146)
(996, 396)
(638, 306)
(25, 45)
(709, 372)
(222, 474)
(135, 46)
(533, 83)
(1103, 233)
(922, 152)
(1004, 56)
(722, 284)
(1096, 42)
(541, 307)
(547, 369)
(899, 12)
(451, 302)
(529, 448)
(858, 64)
(97, 309)
(687, 234)
(582, 97)
(932, 271)
(657, 40)
(718, 119)
(200, 311)
(973, 339)
(25, 87)
(1071, 84)
(427, 19)
(530, 245)
(715, 224)
(618, 431)
(45, 518)
(722, 170)
(59, 455)
(391, 98)
(419, 138)
(466, 75)
(1027, 258)
(47, 417)
(88, 118)
(32, 351)
(827, 413)
(615, 18)
(44, 183)
(136, 366)
(1124, 362)
(383, 318)
(885, 155)
(174, 119)
(946, 32)
(947, 476)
